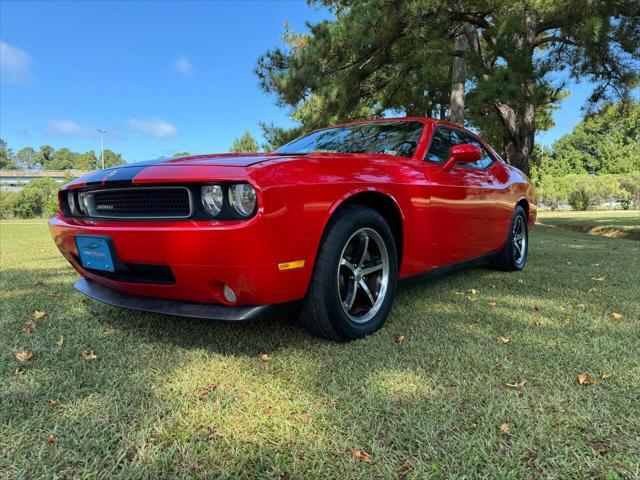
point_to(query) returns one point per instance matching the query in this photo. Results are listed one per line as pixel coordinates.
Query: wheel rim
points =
(519, 240)
(363, 275)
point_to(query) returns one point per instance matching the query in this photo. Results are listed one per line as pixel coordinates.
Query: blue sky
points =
(159, 77)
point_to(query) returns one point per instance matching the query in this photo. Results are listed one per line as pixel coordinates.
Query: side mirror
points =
(463, 153)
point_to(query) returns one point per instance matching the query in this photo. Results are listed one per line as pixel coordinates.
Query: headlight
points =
(83, 202)
(71, 202)
(212, 199)
(242, 198)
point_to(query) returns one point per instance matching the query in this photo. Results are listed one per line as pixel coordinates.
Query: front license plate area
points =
(94, 253)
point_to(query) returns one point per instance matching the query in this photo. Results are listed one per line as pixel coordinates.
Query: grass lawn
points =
(614, 223)
(173, 398)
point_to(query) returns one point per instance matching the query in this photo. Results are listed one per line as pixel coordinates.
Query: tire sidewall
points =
(519, 212)
(340, 232)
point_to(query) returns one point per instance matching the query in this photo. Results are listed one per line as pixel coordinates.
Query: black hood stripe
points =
(119, 175)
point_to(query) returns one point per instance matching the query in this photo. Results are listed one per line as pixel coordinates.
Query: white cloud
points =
(15, 64)
(154, 128)
(183, 66)
(67, 128)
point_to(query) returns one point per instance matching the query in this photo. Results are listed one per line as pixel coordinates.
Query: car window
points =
(441, 143)
(445, 138)
(393, 138)
(485, 160)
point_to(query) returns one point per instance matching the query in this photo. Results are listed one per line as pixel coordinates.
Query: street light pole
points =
(102, 132)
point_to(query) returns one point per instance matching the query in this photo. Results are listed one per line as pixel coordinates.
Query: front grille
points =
(143, 202)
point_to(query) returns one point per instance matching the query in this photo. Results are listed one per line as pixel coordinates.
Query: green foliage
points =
(277, 136)
(378, 57)
(245, 143)
(630, 186)
(6, 156)
(181, 154)
(7, 198)
(588, 191)
(48, 158)
(553, 192)
(37, 198)
(608, 141)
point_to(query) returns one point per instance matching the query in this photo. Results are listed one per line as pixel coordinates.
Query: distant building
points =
(15, 180)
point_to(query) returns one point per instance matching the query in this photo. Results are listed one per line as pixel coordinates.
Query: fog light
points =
(229, 294)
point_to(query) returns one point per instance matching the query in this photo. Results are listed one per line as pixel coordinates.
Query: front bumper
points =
(173, 307)
(202, 256)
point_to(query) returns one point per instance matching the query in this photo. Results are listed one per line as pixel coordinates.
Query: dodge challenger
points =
(328, 223)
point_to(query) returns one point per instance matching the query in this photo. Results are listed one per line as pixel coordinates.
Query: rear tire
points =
(513, 255)
(355, 276)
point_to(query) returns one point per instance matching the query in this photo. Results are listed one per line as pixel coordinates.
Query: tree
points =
(608, 141)
(6, 156)
(37, 198)
(87, 161)
(277, 136)
(181, 154)
(112, 159)
(27, 159)
(245, 143)
(396, 56)
(46, 156)
(62, 159)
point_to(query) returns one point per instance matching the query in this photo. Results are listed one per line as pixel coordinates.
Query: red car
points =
(330, 221)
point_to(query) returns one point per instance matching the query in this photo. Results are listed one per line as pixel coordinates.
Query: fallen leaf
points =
(607, 375)
(29, 326)
(53, 403)
(206, 390)
(38, 283)
(537, 320)
(519, 384)
(497, 366)
(60, 341)
(547, 289)
(459, 293)
(598, 279)
(23, 356)
(595, 264)
(19, 371)
(503, 340)
(521, 281)
(616, 316)
(52, 438)
(37, 315)
(581, 306)
(88, 355)
(536, 308)
(505, 428)
(492, 304)
(361, 455)
(264, 357)
(592, 289)
(398, 339)
(471, 298)
(584, 379)
(568, 263)
(473, 291)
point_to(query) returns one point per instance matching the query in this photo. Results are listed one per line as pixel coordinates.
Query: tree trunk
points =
(458, 77)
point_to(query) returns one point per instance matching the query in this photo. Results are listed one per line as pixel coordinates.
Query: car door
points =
(462, 215)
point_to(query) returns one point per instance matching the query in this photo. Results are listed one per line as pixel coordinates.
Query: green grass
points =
(430, 407)
(614, 223)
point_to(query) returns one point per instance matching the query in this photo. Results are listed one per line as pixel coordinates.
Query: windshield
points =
(393, 138)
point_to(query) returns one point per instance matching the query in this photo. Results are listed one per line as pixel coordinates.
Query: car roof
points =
(425, 120)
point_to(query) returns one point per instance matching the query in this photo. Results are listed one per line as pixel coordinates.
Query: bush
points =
(6, 204)
(588, 191)
(630, 186)
(39, 197)
(553, 192)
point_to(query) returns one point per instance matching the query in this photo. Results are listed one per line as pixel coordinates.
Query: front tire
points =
(355, 276)
(513, 255)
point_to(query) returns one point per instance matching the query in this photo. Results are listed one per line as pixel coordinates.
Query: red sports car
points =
(328, 222)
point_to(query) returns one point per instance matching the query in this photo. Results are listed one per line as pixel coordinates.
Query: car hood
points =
(220, 159)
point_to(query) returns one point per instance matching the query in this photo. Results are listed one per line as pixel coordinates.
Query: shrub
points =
(630, 186)
(588, 191)
(554, 192)
(6, 203)
(37, 198)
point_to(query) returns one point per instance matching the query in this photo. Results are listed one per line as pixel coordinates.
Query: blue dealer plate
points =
(94, 253)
